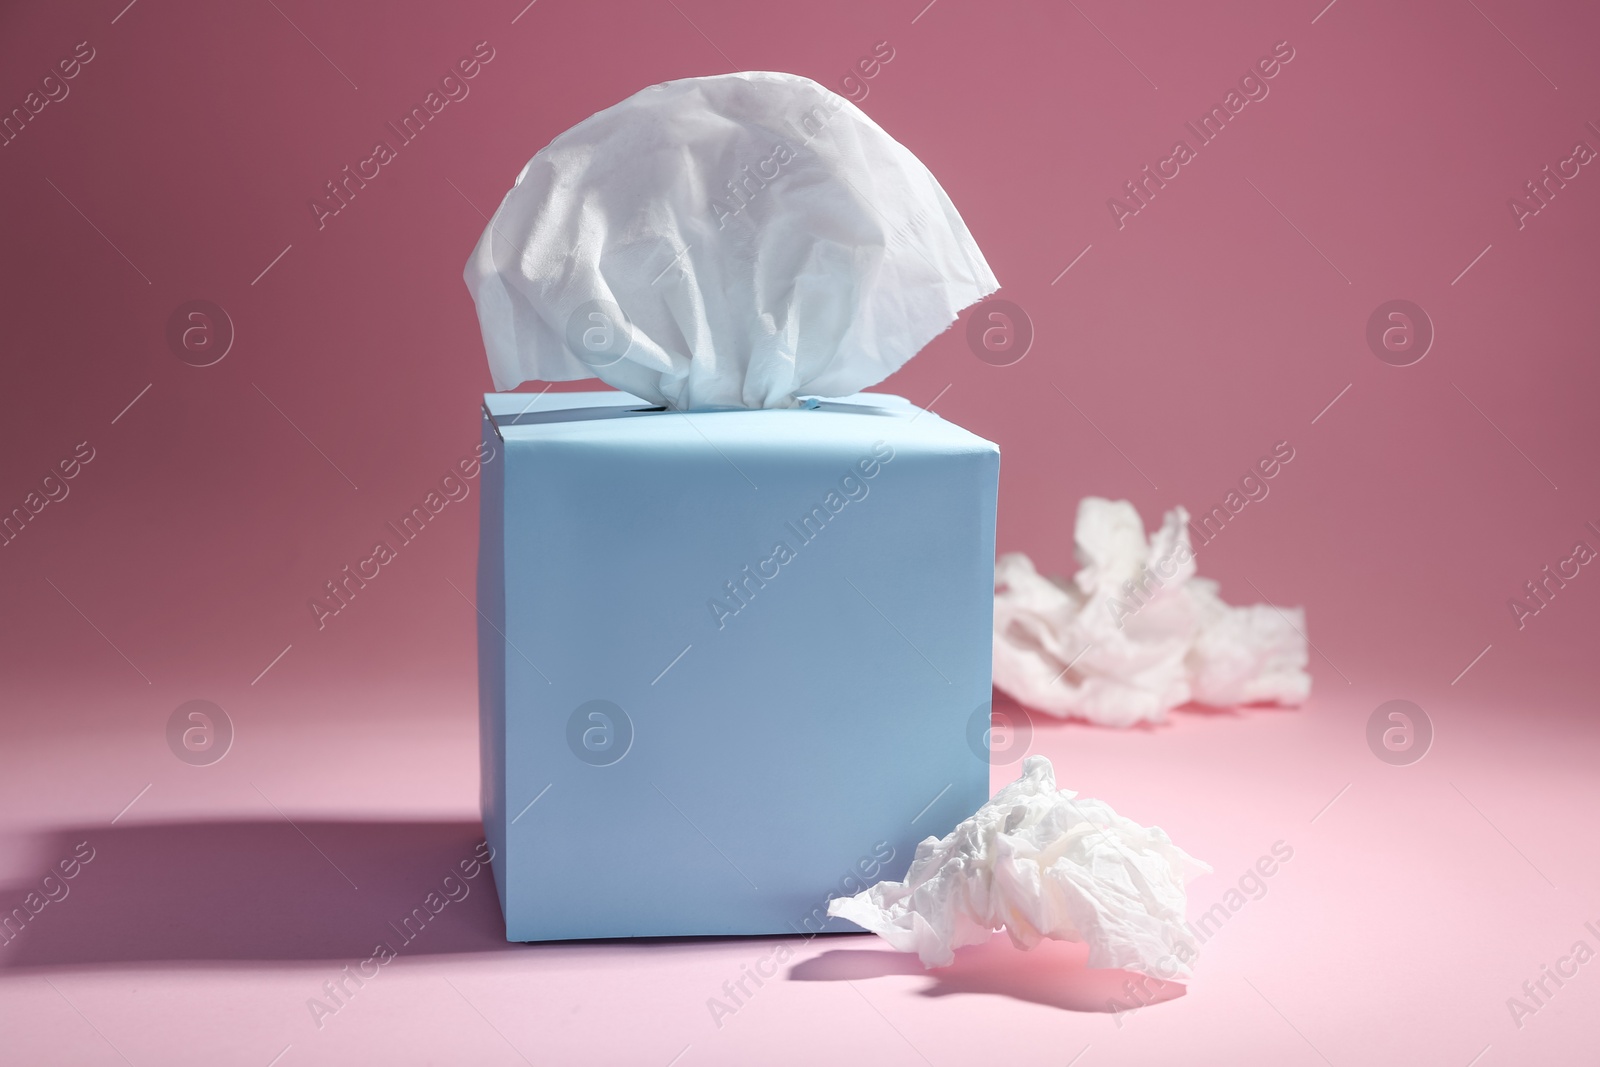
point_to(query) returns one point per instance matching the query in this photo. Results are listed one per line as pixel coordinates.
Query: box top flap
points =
(598, 417)
(517, 408)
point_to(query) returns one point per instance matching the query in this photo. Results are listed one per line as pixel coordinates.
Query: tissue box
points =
(731, 663)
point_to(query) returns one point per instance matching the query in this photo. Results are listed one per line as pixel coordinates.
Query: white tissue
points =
(738, 240)
(1135, 633)
(1041, 864)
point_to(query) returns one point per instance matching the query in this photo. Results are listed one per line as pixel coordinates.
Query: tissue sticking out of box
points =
(733, 241)
(1135, 633)
(1040, 863)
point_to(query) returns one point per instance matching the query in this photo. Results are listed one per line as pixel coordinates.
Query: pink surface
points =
(1229, 313)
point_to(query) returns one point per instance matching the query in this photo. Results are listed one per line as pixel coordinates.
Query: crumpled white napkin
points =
(1040, 863)
(738, 240)
(1135, 633)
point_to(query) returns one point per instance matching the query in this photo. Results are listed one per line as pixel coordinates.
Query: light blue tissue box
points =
(731, 663)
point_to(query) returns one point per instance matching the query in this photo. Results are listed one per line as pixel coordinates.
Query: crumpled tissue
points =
(731, 241)
(1135, 633)
(1040, 863)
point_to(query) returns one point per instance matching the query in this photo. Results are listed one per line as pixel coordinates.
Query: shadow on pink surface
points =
(1055, 974)
(1026, 722)
(254, 890)
(337, 890)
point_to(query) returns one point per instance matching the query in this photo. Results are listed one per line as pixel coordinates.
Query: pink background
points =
(1224, 317)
